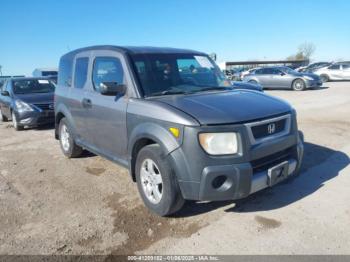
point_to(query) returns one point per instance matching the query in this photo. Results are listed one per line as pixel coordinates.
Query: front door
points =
(107, 114)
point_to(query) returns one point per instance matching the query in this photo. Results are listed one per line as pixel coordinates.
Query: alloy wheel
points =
(151, 181)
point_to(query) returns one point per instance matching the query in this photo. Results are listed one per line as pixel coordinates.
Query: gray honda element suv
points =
(174, 120)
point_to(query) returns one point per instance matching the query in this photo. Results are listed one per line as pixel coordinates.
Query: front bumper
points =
(209, 178)
(313, 83)
(35, 118)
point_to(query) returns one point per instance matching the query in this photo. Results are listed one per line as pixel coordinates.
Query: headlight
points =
(219, 143)
(308, 78)
(23, 107)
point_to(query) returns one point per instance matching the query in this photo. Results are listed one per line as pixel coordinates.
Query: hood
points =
(227, 107)
(300, 74)
(36, 98)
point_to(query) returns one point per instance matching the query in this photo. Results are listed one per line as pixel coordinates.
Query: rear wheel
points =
(324, 78)
(2, 117)
(156, 182)
(15, 122)
(69, 148)
(298, 85)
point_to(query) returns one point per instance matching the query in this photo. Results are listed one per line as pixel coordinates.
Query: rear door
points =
(77, 105)
(107, 114)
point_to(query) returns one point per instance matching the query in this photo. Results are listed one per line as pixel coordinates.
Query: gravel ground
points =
(52, 205)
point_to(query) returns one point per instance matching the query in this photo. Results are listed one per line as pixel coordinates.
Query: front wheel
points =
(156, 182)
(69, 148)
(298, 85)
(15, 122)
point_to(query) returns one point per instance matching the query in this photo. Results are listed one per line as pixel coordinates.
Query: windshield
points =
(167, 74)
(33, 86)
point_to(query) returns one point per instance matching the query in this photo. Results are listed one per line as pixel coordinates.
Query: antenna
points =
(0, 70)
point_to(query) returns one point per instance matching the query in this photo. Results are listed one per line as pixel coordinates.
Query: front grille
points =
(269, 161)
(267, 129)
(47, 106)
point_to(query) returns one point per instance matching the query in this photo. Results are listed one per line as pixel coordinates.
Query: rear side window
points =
(80, 72)
(345, 67)
(65, 72)
(107, 69)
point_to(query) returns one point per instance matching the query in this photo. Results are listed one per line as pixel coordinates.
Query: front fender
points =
(160, 134)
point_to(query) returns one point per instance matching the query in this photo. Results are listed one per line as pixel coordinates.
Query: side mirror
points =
(5, 93)
(112, 89)
(282, 73)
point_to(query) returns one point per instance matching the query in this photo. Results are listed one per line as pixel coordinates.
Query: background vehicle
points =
(27, 101)
(312, 67)
(336, 71)
(50, 73)
(247, 72)
(283, 77)
(175, 121)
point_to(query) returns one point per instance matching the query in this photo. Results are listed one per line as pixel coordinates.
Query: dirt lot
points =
(52, 205)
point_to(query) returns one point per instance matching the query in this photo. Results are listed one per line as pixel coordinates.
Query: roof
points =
(136, 50)
(30, 78)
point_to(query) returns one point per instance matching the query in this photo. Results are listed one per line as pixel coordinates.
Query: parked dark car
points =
(283, 77)
(27, 102)
(172, 118)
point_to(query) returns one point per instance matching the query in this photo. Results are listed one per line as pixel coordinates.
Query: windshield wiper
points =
(170, 92)
(214, 88)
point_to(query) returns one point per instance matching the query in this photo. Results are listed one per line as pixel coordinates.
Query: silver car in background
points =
(336, 71)
(283, 77)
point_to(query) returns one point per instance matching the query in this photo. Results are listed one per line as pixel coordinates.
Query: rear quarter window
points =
(65, 72)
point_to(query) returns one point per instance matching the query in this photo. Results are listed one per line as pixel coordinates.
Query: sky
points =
(36, 33)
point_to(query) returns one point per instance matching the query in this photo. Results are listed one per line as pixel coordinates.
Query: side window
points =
(346, 67)
(258, 71)
(275, 71)
(334, 67)
(107, 69)
(80, 72)
(65, 72)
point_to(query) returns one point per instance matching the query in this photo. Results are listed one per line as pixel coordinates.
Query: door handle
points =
(86, 103)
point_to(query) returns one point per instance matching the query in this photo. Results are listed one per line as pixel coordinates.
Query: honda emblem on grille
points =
(271, 128)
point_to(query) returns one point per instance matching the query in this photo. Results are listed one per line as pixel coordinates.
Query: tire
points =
(15, 122)
(324, 78)
(68, 146)
(298, 85)
(155, 175)
(2, 117)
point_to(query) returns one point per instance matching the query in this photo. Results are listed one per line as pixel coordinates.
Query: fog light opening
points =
(218, 182)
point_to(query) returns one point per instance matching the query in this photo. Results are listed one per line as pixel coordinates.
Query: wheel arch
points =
(147, 134)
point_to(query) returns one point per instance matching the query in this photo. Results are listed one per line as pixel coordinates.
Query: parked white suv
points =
(336, 71)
